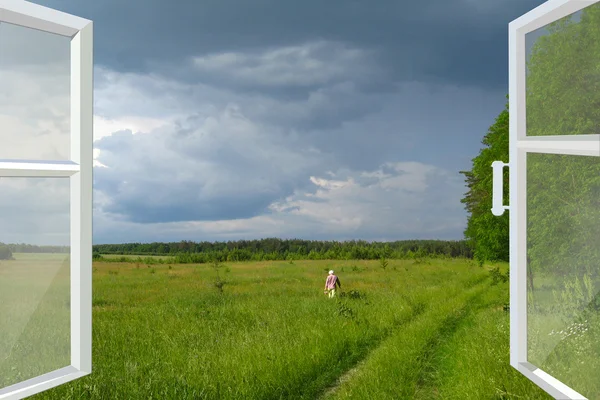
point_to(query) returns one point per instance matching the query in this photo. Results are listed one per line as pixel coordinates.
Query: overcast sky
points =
(238, 119)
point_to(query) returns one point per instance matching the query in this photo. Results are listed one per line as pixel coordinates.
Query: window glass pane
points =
(34, 277)
(563, 78)
(563, 249)
(34, 94)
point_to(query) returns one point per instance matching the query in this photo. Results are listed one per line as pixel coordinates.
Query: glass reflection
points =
(34, 278)
(563, 240)
(563, 79)
(34, 94)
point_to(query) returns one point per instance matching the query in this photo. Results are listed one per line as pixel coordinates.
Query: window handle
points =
(498, 189)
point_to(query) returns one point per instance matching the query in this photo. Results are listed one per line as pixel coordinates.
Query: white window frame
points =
(79, 170)
(520, 145)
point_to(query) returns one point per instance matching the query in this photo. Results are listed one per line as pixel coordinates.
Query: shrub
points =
(219, 283)
(344, 311)
(5, 252)
(498, 276)
(353, 294)
(383, 263)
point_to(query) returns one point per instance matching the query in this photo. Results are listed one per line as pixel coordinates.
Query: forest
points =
(270, 249)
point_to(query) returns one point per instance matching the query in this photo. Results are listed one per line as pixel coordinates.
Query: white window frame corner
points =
(79, 170)
(520, 145)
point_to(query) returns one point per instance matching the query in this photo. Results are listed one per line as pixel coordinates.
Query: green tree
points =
(487, 234)
(5, 252)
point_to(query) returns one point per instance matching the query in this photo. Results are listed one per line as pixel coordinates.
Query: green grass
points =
(430, 330)
(473, 362)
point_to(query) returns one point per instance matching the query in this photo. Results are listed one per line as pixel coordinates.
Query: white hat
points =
(331, 272)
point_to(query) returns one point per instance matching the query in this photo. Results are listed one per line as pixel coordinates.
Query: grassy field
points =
(435, 329)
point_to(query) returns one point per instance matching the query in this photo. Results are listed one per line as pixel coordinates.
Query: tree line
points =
(7, 250)
(31, 248)
(269, 249)
(289, 249)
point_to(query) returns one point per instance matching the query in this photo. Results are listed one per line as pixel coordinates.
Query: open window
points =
(46, 158)
(554, 151)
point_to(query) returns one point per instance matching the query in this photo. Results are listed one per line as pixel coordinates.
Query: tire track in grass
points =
(419, 308)
(425, 385)
(473, 363)
(326, 379)
(404, 373)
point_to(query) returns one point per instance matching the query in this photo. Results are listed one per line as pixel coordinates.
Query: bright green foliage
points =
(563, 80)
(563, 213)
(575, 296)
(563, 191)
(488, 234)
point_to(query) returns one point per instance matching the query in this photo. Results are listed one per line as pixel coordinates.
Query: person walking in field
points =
(330, 284)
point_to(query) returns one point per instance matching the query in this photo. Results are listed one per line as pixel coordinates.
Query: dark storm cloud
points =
(189, 204)
(227, 166)
(441, 127)
(460, 41)
(213, 168)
